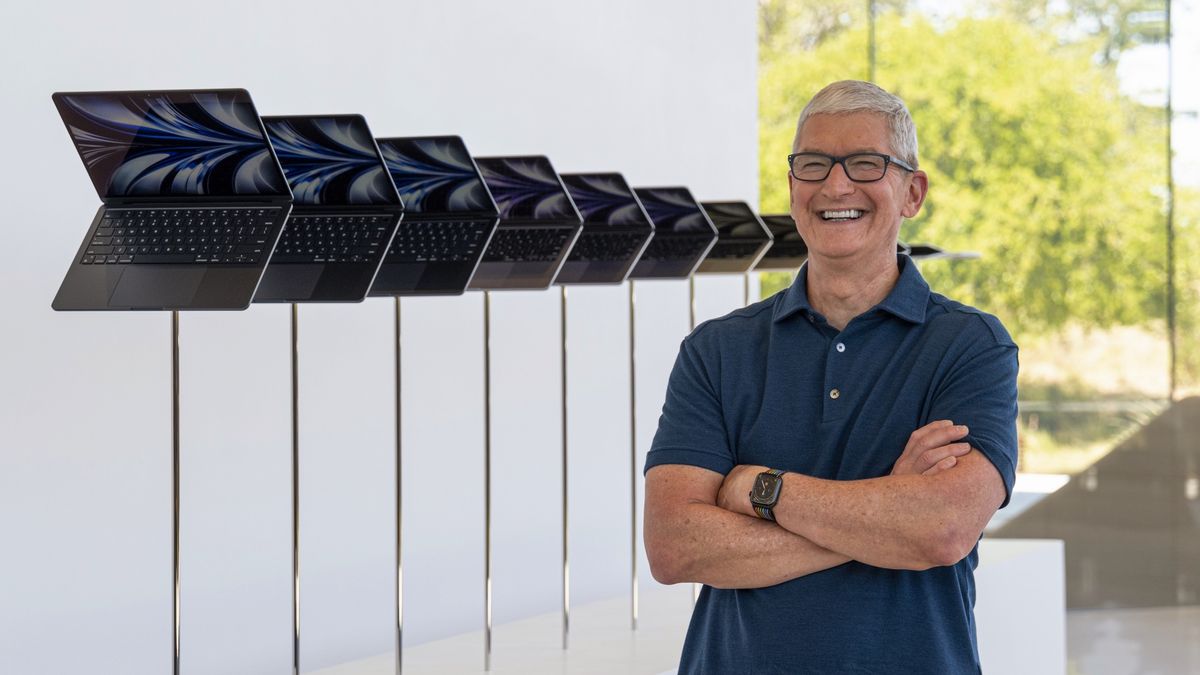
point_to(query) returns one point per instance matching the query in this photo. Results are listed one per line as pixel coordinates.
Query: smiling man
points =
(827, 459)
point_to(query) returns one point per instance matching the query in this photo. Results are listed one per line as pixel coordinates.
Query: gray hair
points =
(852, 96)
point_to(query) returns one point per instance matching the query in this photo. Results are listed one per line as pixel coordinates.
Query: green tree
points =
(1035, 160)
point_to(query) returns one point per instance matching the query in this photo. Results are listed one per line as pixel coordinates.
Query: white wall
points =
(663, 91)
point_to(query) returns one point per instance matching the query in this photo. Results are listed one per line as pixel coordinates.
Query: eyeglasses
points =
(863, 167)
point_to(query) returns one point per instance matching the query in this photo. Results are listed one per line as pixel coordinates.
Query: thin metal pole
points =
(871, 41)
(1171, 319)
(566, 575)
(746, 289)
(691, 303)
(399, 511)
(175, 487)
(295, 490)
(487, 480)
(633, 525)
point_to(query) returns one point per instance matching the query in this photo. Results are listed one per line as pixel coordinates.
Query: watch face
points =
(766, 489)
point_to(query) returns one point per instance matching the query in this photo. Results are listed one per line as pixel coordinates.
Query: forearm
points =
(708, 544)
(897, 522)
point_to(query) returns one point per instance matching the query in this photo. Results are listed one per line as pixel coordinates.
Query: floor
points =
(1157, 641)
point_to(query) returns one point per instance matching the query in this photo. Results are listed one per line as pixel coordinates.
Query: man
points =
(827, 459)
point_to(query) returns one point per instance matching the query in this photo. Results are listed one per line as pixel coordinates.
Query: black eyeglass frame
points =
(888, 160)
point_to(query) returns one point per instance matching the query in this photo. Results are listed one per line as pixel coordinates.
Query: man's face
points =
(872, 233)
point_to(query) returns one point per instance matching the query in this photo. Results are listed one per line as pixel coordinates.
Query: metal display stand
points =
(566, 569)
(633, 528)
(175, 489)
(399, 514)
(487, 480)
(295, 490)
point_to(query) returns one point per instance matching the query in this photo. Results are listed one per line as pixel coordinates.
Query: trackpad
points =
(156, 288)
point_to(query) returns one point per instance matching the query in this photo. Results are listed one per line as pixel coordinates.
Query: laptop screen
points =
(783, 227)
(527, 188)
(172, 143)
(735, 220)
(605, 199)
(435, 175)
(331, 160)
(672, 209)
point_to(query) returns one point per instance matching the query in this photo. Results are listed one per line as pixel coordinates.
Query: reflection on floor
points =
(1163, 641)
(1131, 522)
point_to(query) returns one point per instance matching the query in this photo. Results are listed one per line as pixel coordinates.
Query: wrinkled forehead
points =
(845, 133)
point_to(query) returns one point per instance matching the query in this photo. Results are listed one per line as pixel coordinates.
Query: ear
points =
(918, 187)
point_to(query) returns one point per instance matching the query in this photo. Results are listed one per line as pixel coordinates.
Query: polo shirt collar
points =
(907, 300)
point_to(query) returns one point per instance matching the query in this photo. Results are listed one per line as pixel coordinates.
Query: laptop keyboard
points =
(606, 247)
(438, 242)
(231, 236)
(675, 248)
(332, 239)
(786, 249)
(734, 250)
(527, 244)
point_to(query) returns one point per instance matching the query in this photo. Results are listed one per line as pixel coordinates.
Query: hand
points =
(931, 450)
(734, 494)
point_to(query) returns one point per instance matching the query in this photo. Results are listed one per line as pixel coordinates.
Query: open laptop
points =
(683, 234)
(193, 194)
(538, 224)
(788, 251)
(616, 229)
(931, 252)
(741, 238)
(345, 213)
(449, 217)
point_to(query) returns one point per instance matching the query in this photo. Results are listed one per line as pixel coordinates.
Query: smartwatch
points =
(765, 493)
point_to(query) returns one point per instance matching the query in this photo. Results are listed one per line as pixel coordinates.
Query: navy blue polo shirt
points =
(774, 384)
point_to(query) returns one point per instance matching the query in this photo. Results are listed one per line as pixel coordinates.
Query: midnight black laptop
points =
(683, 234)
(538, 224)
(616, 229)
(193, 195)
(741, 238)
(449, 217)
(788, 251)
(345, 213)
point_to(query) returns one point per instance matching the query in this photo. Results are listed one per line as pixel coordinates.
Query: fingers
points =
(937, 433)
(929, 458)
(941, 466)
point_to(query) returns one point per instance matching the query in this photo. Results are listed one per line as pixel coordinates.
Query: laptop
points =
(449, 217)
(616, 229)
(538, 224)
(788, 251)
(193, 199)
(345, 212)
(683, 234)
(741, 238)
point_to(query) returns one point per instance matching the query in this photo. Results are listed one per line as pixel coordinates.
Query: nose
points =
(837, 183)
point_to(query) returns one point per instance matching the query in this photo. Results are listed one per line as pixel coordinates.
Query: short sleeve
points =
(691, 429)
(980, 391)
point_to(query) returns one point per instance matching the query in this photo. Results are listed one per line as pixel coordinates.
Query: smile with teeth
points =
(844, 214)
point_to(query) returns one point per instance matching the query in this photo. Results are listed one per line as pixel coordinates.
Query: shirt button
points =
(834, 393)
(841, 347)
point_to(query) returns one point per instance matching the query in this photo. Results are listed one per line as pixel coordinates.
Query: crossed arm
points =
(699, 525)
